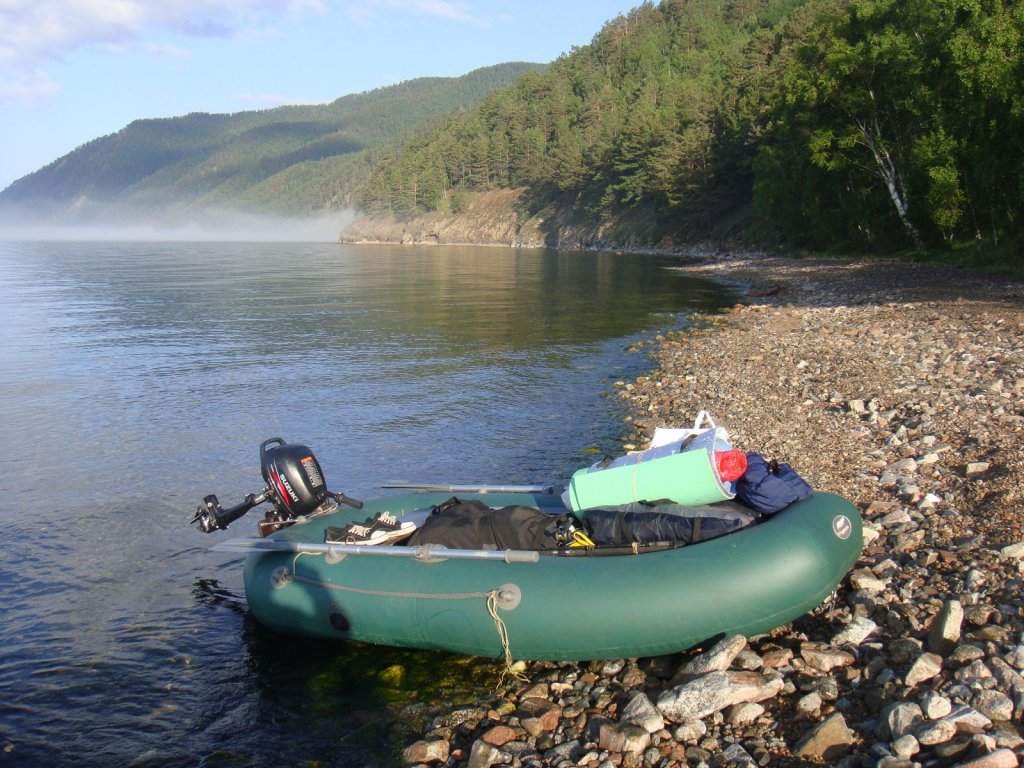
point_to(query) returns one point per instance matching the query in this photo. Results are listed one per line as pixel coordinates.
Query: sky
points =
(74, 70)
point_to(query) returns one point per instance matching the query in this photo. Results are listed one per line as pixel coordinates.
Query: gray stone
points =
(824, 657)
(568, 750)
(895, 518)
(736, 756)
(1013, 551)
(891, 761)
(748, 660)
(624, 737)
(1015, 658)
(906, 746)
(690, 731)
(944, 632)
(856, 632)
(828, 740)
(932, 732)
(968, 720)
(484, 755)
(743, 714)
(717, 658)
(641, 711)
(902, 718)
(903, 466)
(809, 704)
(715, 691)
(867, 581)
(995, 705)
(426, 752)
(1001, 758)
(927, 666)
(935, 705)
(1009, 679)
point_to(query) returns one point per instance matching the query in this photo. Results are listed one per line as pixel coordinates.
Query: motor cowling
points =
(294, 477)
(295, 486)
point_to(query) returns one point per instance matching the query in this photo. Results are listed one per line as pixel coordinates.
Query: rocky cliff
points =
(496, 217)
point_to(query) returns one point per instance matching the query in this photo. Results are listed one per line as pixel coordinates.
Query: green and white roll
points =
(684, 472)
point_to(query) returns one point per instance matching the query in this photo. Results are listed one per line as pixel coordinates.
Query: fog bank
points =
(223, 226)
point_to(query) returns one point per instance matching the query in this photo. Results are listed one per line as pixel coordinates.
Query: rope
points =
(296, 559)
(490, 595)
(499, 624)
(382, 593)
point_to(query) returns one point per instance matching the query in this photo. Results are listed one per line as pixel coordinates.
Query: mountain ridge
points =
(293, 160)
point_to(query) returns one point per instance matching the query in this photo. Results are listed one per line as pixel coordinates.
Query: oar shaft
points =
(426, 552)
(550, 490)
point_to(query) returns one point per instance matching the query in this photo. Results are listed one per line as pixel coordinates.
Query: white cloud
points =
(166, 51)
(370, 10)
(30, 87)
(36, 32)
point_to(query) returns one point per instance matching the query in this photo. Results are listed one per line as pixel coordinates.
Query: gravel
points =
(900, 387)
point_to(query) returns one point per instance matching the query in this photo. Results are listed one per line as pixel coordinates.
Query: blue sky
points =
(74, 70)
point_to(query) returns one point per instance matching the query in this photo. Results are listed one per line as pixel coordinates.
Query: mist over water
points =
(137, 377)
(209, 226)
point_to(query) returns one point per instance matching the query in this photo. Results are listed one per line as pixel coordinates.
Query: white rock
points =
(714, 692)
(856, 632)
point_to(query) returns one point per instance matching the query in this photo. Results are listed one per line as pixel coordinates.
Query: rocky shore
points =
(900, 387)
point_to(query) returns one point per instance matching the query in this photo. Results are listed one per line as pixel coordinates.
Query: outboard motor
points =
(295, 486)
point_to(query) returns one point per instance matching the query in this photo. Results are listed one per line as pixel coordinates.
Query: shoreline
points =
(901, 387)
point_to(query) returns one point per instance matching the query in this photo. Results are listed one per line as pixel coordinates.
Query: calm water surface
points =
(135, 378)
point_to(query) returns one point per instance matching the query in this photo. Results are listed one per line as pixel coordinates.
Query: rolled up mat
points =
(684, 472)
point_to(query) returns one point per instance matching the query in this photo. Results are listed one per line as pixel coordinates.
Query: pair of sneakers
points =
(382, 528)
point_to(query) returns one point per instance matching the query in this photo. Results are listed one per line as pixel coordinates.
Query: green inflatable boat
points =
(531, 605)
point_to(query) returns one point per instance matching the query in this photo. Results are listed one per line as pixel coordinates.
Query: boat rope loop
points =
(505, 597)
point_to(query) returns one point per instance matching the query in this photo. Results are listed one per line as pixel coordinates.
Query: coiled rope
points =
(491, 596)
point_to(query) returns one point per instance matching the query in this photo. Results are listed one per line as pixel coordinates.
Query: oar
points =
(430, 553)
(550, 490)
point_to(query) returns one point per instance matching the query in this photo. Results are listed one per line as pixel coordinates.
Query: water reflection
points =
(137, 378)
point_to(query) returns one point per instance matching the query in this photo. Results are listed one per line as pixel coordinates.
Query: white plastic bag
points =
(665, 435)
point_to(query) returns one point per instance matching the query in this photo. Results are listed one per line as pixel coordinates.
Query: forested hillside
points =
(822, 123)
(296, 160)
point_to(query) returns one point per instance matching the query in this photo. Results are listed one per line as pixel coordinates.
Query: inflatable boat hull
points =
(557, 607)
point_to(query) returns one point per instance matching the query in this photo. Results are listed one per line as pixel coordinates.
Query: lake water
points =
(135, 378)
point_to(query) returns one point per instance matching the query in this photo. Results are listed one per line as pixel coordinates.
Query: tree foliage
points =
(913, 110)
(852, 123)
(631, 122)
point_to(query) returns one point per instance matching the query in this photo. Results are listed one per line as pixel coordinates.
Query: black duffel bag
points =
(458, 524)
(640, 523)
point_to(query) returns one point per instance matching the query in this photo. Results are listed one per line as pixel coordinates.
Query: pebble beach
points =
(900, 387)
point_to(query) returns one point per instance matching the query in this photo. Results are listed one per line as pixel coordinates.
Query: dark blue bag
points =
(770, 486)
